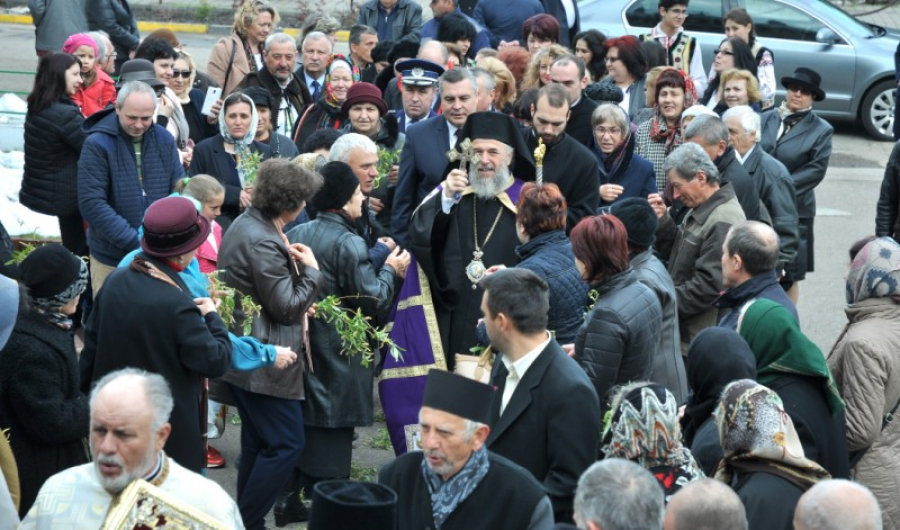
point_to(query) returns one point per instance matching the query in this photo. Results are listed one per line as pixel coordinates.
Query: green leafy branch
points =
(250, 165)
(228, 297)
(387, 159)
(18, 256)
(355, 329)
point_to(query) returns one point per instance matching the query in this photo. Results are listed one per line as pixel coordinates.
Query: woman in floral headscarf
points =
(326, 113)
(794, 367)
(764, 461)
(660, 135)
(866, 369)
(222, 156)
(644, 428)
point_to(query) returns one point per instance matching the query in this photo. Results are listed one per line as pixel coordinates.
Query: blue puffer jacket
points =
(111, 196)
(550, 256)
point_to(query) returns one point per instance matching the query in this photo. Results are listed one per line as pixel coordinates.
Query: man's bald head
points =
(434, 51)
(705, 505)
(756, 244)
(837, 504)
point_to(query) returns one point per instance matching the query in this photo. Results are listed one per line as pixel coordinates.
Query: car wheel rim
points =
(883, 112)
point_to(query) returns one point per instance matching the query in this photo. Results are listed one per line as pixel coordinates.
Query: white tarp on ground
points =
(17, 219)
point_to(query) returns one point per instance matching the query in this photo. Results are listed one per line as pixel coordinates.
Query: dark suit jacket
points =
(579, 124)
(804, 150)
(566, 33)
(422, 164)
(551, 425)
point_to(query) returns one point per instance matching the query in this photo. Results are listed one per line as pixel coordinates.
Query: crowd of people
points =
(620, 234)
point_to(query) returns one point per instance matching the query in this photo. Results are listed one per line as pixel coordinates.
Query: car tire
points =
(878, 111)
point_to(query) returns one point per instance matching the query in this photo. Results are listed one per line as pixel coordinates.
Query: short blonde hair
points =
(734, 74)
(247, 14)
(504, 81)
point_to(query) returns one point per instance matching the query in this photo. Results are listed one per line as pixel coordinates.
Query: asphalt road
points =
(846, 213)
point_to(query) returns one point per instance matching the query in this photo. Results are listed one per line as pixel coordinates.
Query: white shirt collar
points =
(309, 79)
(742, 158)
(524, 363)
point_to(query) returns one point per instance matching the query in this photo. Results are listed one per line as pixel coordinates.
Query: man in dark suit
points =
(569, 71)
(545, 415)
(452, 431)
(419, 80)
(290, 95)
(423, 159)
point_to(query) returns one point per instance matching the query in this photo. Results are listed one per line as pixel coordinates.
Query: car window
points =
(703, 15)
(779, 21)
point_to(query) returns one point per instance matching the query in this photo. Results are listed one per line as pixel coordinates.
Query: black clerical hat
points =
(458, 395)
(350, 505)
(497, 126)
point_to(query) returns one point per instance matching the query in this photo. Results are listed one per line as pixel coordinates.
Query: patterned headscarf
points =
(49, 307)
(875, 272)
(782, 349)
(336, 62)
(757, 435)
(242, 145)
(659, 131)
(644, 429)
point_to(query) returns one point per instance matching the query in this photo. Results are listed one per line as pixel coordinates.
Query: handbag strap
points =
(856, 456)
(230, 63)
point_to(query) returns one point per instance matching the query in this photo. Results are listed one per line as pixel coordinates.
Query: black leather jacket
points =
(338, 386)
(887, 222)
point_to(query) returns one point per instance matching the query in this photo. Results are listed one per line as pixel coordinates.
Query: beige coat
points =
(219, 58)
(866, 367)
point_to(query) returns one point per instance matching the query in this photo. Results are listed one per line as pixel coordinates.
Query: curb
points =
(177, 27)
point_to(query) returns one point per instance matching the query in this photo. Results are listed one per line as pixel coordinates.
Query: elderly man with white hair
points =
(130, 410)
(772, 179)
(838, 504)
(617, 494)
(316, 49)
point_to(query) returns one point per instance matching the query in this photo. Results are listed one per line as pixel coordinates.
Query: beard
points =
(444, 468)
(115, 485)
(488, 188)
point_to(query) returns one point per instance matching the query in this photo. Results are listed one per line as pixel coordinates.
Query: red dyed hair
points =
(516, 58)
(601, 243)
(541, 208)
(631, 54)
(543, 27)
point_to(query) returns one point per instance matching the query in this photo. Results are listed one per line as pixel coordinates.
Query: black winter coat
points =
(668, 362)
(338, 387)
(770, 500)
(823, 435)
(776, 191)
(115, 18)
(53, 140)
(210, 158)
(618, 340)
(141, 322)
(505, 485)
(41, 404)
(550, 256)
(887, 220)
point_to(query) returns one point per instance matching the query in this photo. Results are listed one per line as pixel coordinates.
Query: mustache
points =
(110, 460)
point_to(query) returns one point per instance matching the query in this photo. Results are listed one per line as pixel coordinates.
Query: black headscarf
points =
(716, 357)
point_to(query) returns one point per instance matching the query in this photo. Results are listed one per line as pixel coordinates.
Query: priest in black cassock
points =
(567, 163)
(469, 224)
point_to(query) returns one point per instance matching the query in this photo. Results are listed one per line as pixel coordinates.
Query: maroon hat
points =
(364, 93)
(172, 227)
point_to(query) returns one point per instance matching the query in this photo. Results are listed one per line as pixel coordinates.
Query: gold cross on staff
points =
(464, 156)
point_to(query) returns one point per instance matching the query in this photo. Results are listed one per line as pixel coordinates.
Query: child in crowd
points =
(97, 88)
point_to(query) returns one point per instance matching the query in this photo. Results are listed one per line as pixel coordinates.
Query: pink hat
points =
(77, 40)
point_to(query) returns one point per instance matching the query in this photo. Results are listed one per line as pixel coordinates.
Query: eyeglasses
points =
(609, 59)
(184, 74)
(722, 52)
(603, 131)
(678, 12)
(803, 90)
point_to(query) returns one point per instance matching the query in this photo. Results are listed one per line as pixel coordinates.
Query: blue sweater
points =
(111, 197)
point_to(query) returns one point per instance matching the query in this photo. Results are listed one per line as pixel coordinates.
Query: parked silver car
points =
(855, 59)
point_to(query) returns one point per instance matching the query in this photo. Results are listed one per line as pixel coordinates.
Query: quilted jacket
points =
(866, 368)
(617, 342)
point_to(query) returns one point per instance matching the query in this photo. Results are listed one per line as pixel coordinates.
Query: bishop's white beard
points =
(488, 188)
(115, 485)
